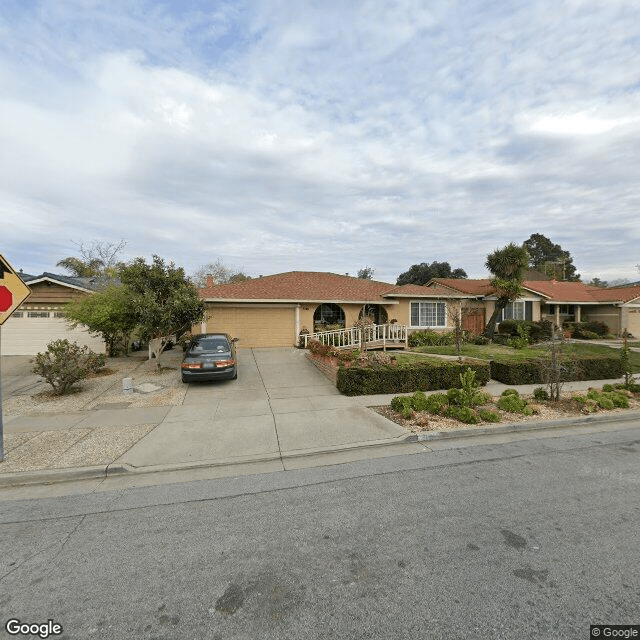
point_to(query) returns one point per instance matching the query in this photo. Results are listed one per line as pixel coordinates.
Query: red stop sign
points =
(6, 299)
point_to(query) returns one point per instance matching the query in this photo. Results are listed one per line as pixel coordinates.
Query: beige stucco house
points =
(559, 302)
(272, 310)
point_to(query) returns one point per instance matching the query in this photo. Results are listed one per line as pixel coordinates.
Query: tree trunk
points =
(490, 329)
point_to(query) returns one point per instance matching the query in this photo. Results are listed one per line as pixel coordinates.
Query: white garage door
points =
(28, 332)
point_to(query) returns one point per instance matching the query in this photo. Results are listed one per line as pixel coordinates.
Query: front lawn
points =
(504, 353)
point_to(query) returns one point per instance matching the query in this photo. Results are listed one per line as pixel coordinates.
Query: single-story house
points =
(40, 318)
(272, 310)
(559, 302)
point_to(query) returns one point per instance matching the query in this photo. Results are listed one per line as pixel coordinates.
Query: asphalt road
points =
(526, 539)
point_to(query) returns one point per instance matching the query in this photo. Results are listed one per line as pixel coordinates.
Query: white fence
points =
(378, 335)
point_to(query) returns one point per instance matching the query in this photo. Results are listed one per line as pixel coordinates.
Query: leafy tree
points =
(423, 272)
(366, 273)
(508, 266)
(550, 258)
(596, 282)
(107, 313)
(96, 259)
(221, 274)
(163, 300)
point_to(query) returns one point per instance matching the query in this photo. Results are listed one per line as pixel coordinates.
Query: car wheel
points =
(183, 378)
(235, 376)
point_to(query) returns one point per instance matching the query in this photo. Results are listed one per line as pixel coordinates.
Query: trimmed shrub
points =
(406, 378)
(531, 371)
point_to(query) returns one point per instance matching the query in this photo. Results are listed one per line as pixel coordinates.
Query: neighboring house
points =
(559, 302)
(272, 310)
(40, 318)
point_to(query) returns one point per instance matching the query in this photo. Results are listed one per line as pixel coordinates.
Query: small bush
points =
(510, 392)
(419, 401)
(480, 340)
(436, 403)
(463, 414)
(540, 393)
(95, 361)
(518, 343)
(513, 403)
(65, 363)
(488, 416)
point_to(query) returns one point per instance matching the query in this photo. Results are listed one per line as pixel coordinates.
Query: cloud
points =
(284, 135)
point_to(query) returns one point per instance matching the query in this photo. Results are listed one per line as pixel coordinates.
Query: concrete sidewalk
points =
(281, 413)
(280, 408)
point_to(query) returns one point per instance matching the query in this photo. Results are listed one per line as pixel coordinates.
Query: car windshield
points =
(219, 345)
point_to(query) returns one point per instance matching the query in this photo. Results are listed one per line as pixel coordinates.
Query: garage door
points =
(26, 333)
(256, 326)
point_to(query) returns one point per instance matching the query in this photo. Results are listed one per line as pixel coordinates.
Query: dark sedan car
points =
(210, 356)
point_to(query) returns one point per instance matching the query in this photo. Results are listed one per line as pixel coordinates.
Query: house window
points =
(428, 314)
(58, 314)
(328, 314)
(17, 314)
(513, 311)
(37, 314)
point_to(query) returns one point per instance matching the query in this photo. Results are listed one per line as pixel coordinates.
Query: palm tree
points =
(508, 266)
(82, 268)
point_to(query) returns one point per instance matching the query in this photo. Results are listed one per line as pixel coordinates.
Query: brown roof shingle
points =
(301, 286)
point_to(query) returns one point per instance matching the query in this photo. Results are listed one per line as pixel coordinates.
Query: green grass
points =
(502, 352)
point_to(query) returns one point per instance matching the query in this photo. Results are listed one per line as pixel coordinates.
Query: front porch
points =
(376, 336)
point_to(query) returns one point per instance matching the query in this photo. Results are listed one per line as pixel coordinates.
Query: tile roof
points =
(552, 290)
(418, 290)
(481, 287)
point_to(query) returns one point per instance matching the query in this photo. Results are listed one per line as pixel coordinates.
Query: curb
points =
(51, 476)
(514, 427)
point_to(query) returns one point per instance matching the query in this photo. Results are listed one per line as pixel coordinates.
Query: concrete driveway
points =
(280, 406)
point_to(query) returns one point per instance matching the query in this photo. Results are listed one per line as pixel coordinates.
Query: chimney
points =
(210, 281)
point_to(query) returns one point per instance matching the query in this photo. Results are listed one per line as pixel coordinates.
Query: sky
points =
(320, 135)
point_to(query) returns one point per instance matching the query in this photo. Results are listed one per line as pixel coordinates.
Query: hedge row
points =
(423, 376)
(577, 368)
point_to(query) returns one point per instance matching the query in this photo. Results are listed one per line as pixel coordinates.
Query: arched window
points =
(376, 312)
(328, 314)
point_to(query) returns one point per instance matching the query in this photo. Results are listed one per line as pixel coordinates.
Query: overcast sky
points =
(324, 135)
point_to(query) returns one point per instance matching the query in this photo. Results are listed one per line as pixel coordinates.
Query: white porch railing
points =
(379, 335)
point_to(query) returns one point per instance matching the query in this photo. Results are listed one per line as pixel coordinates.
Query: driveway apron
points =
(280, 405)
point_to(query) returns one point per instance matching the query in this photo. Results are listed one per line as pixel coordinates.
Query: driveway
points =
(280, 406)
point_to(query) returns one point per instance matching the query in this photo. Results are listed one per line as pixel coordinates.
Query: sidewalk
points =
(280, 414)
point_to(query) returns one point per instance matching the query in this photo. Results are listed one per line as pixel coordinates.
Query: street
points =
(535, 538)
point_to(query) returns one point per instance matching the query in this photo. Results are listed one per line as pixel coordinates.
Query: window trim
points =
(428, 302)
